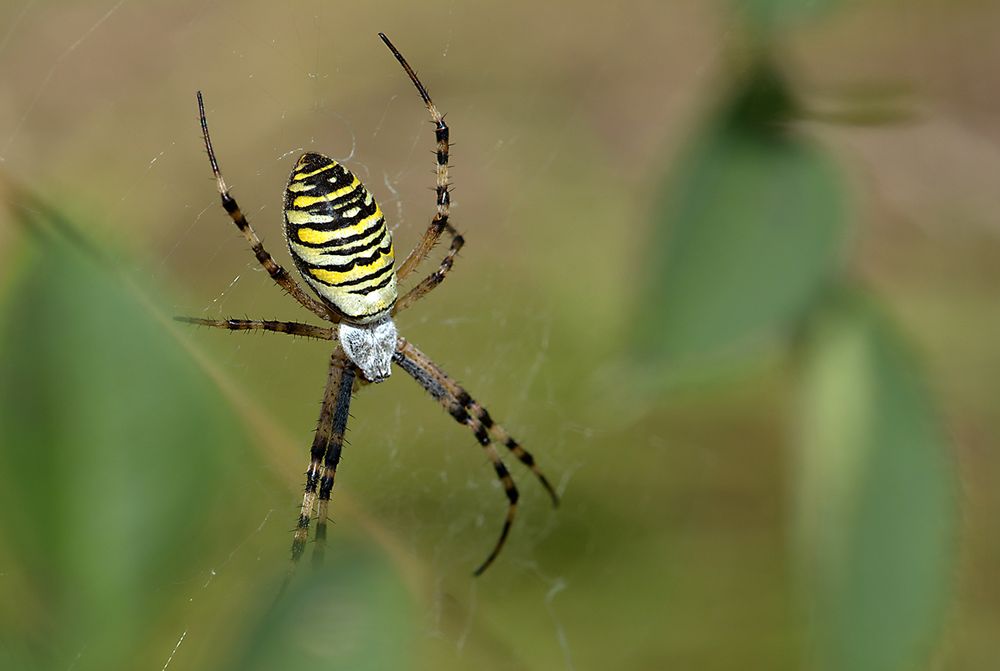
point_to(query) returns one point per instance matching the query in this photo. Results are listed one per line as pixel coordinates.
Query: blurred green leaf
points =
(749, 229)
(876, 495)
(113, 445)
(767, 16)
(354, 614)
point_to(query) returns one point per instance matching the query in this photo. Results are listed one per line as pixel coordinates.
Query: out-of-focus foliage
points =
(875, 494)
(352, 614)
(113, 444)
(115, 447)
(794, 200)
(749, 230)
(770, 15)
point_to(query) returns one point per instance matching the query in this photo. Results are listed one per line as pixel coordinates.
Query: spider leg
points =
(419, 367)
(277, 273)
(335, 445)
(440, 223)
(501, 436)
(431, 281)
(325, 452)
(291, 328)
(475, 410)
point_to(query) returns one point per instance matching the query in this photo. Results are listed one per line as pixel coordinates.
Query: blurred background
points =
(730, 275)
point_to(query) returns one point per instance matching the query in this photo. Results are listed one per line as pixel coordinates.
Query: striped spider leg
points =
(465, 410)
(277, 273)
(332, 425)
(442, 191)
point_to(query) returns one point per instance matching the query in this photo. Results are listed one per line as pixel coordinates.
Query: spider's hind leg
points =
(280, 276)
(442, 198)
(426, 285)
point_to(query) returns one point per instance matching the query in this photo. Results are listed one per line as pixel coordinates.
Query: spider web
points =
(277, 83)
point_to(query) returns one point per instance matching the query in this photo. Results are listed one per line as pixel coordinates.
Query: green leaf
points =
(876, 495)
(748, 231)
(766, 16)
(113, 445)
(354, 613)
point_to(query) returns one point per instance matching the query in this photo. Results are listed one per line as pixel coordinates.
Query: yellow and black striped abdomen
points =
(338, 239)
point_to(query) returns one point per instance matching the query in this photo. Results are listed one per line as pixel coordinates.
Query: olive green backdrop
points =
(731, 275)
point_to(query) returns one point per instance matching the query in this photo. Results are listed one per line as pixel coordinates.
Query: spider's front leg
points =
(325, 453)
(467, 411)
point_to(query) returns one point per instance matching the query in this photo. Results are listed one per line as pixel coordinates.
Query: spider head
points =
(370, 347)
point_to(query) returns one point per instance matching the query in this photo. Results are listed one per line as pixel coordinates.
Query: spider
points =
(340, 244)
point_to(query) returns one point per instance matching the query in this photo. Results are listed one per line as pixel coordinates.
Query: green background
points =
(730, 275)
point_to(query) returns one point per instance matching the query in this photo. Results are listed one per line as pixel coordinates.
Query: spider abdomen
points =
(338, 238)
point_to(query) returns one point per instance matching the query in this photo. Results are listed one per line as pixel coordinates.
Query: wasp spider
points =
(337, 236)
